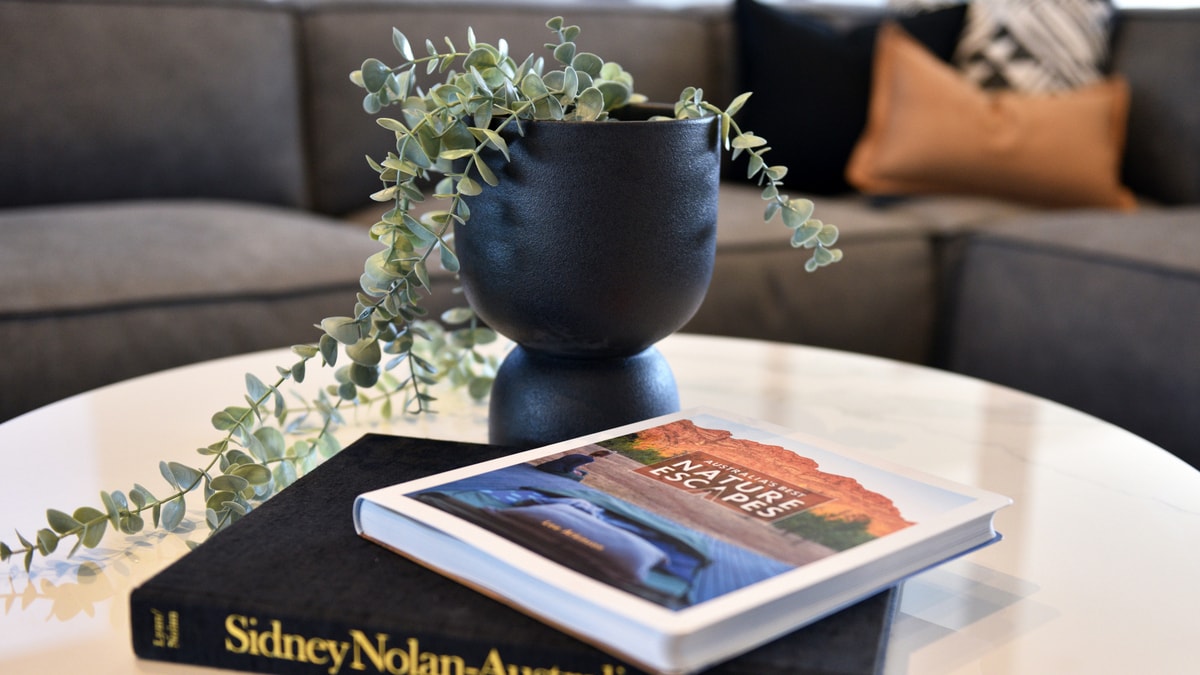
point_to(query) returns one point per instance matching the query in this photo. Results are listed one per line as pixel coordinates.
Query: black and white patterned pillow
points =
(1035, 46)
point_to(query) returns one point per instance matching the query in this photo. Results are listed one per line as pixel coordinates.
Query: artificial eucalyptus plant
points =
(442, 137)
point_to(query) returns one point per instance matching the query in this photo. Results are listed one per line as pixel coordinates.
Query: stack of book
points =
(691, 542)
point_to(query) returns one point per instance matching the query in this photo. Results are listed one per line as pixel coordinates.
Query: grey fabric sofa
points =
(184, 179)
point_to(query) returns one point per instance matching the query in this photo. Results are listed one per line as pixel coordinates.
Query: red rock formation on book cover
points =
(851, 499)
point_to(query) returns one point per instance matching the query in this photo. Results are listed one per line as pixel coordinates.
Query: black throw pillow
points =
(812, 81)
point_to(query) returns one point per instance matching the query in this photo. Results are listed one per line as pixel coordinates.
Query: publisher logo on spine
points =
(747, 491)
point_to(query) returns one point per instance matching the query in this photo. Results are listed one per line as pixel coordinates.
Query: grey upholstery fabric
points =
(663, 48)
(1159, 53)
(144, 100)
(760, 288)
(95, 294)
(1091, 310)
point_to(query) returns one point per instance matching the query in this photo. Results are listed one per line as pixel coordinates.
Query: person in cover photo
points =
(571, 466)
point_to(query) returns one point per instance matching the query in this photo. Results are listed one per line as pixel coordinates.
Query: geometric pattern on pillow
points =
(1035, 46)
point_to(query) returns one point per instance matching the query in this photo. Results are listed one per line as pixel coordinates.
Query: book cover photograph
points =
(692, 529)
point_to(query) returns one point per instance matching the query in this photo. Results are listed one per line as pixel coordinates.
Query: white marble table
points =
(1098, 572)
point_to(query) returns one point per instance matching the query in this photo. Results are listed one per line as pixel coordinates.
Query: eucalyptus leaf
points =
(93, 531)
(273, 442)
(374, 73)
(363, 375)
(590, 104)
(805, 233)
(533, 87)
(371, 104)
(173, 512)
(748, 140)
(132, 523)
(298, 372)
(218, 499)
(586, 62)
(230, 483)
(255, 387)
(738, 102)
(184, 475)
(457, 315)
(798, 212)
(284, 474)
(47, 541)
(254, 474)
(62, 523)
(305, 351)
(468, 187)
(828, 235)
(224, 420)
(565, 52)
(88, 515)
(401, 43)
(110, 507)
(365, 352)
(343, 329)
(616, 94)
(141, 496)
(448, 259)
(329, 349)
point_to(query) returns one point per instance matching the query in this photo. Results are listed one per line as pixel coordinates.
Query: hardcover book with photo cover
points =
(292, 588)
(679, 542)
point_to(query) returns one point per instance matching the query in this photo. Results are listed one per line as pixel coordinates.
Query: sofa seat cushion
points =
(879, 300)
(102, 292)
(1096, 310)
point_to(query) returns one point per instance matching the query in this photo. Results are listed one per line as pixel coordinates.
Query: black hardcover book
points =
(292, 588)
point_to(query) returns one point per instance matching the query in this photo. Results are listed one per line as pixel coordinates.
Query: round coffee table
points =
(1096, 573)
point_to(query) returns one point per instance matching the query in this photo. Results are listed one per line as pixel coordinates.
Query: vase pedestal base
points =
(538, 399)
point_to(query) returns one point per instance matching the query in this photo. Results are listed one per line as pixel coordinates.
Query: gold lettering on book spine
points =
(361, 652)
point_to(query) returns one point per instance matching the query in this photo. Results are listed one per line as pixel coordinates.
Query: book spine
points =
(182, 630)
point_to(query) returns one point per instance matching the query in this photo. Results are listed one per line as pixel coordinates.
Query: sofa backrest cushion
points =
(1158, 51)
(118, 100)
(665, 49)
(810, 68)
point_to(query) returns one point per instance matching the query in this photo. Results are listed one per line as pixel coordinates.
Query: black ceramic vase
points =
(597, 243)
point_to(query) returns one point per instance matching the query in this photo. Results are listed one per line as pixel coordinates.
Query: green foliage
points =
(838, 534)
(443, 136)
(807, 232)
(254, 460)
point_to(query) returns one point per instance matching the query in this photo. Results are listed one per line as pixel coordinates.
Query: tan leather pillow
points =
(929, 130)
